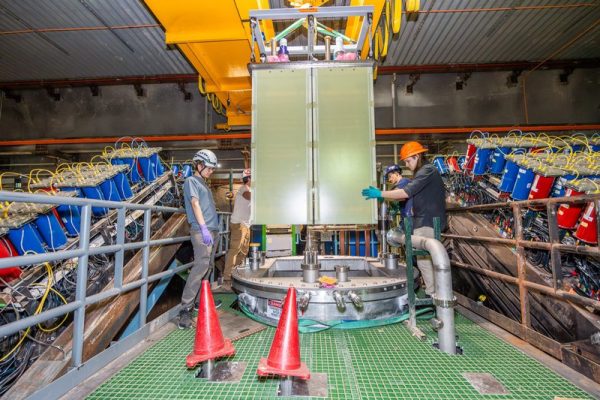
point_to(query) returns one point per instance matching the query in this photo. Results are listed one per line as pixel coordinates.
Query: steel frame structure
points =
(523, 328)
(80, 369)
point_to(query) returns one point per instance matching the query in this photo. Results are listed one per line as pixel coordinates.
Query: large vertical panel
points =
(344, 135)
(281, 146)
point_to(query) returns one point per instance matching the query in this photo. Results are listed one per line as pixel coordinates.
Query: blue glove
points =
(206, 236)
(371, 193)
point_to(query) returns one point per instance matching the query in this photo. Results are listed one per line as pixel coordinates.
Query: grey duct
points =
(443, 297)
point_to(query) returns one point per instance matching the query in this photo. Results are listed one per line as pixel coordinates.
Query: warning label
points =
(274, 308)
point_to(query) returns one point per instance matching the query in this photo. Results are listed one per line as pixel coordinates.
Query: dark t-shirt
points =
(429, 198)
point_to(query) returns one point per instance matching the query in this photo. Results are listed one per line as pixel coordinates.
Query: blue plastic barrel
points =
(187, 170)
(558, 190)
(51, 231)
(497, 160)
(123, 186)
(175, 169)
(148, 168)
(70, 215)
(523, 183)
(133, 173)
(26, 239)
(94, 192)
(160, 169)
(482, 157)
(110, 191)
(440, 164)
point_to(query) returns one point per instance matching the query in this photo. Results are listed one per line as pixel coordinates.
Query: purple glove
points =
(206, 236)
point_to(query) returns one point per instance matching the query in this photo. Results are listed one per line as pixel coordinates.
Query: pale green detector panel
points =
(281, 147)
(344, 145)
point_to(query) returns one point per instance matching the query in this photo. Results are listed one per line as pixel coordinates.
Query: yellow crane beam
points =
(216, 38)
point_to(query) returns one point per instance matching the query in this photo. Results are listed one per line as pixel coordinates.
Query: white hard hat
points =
(207, 157)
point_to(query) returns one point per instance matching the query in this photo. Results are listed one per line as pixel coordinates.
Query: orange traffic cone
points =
(284, 356)
(209, 343)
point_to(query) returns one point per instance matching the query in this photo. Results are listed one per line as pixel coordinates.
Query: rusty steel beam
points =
(102, 321)
(547, 290)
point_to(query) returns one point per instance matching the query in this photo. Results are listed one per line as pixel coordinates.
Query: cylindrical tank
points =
(26, 239)
(470, 157)
(51, 231)
(497, 160)
(586, 230)
(522, 184)
(567, 214)
(541, 186)
(8, 250)
(482, 157)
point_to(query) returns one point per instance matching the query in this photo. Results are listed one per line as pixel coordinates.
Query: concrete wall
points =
(487, 100)
(117, 111)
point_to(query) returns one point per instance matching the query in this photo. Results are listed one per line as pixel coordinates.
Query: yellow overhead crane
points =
(216, 38)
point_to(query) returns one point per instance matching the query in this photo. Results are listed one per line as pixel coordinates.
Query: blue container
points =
(110, 191)
(461, 162)
(123, 186)
(148, 168)
(94, 192)
(558, 190)
(70, 215)
(26, 239)
(523, 184)
(482, 157)
(133, 173)
(187, 170)
(440, 164)
(596, 147)
(51, 231)
(175, 169)
(497, 160)
(160, 169)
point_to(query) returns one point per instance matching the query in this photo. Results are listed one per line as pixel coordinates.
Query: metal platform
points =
(377, 363)
(381, 291)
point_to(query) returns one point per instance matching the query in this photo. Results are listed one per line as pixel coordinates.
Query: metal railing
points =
(84, 251)
(554, 247)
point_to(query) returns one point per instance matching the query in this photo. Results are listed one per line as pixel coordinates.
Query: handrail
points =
(82, 253)
(553, 246)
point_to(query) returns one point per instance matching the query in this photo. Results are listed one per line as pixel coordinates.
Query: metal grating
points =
(378, 363)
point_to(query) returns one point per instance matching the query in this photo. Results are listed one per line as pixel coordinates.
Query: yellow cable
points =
(37, 311)
(397, 16)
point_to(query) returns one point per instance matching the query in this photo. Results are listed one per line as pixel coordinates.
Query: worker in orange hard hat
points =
(429, 200)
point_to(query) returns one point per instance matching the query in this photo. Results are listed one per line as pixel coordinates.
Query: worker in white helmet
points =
(204, 229)
(239, 228)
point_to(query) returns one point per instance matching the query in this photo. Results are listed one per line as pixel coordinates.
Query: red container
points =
(453, 164)
(587, 231)
(8, 250)
(541, 187)
(470, 157)
(568, 214)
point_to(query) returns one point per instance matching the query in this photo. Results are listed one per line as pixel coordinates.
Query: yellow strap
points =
(397, 16)
(413, 6)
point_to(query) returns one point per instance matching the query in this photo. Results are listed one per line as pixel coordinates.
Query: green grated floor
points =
(376, 363)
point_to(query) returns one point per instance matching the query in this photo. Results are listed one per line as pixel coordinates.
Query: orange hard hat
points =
(411, 149)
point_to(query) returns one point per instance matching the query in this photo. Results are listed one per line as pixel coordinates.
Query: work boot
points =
(185, 318)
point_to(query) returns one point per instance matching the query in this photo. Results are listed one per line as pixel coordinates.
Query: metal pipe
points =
(502, 9)
(246, 135)
(556, 293)
(394, 124)
(303, 301)
(327, 48)
(341, 273)
(355, 299)
(567, 248)
(80, 290)
(78, 29)
(339, 300)
(443, 298)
